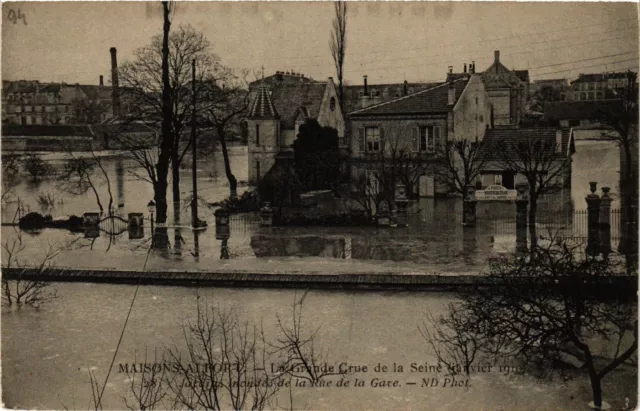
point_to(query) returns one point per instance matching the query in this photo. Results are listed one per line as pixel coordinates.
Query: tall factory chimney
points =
(115, 87)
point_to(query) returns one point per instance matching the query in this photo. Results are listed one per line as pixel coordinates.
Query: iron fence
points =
(573, 224)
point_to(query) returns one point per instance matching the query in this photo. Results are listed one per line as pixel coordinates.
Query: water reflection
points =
(178, 241)
(303, 246)
(196, 245)
(223, 233)
(469, 244)
(136, 232)
(131, 191)
(120, 181)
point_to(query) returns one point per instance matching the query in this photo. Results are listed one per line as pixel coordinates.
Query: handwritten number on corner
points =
(16, 16)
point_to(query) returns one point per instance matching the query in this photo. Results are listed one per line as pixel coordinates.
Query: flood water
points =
(127, 187)
(434, 237)
(46, 353)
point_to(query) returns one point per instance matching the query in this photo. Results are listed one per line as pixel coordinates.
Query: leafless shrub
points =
(48, 200)
(83, 174)
(301, 358)
(17, 290)
(225, 366)
(454, 349)
(543, 309)
(148, 387)
(35, 166)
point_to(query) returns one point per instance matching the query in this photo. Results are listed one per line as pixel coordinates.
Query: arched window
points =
(332, 104)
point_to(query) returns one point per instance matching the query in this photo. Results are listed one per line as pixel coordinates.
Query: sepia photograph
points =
(322, 205)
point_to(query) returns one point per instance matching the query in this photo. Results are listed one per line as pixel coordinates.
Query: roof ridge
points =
(408, 95)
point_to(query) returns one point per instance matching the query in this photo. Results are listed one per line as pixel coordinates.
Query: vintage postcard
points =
(319, 205)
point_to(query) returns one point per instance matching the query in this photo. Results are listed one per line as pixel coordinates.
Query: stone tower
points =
(263, 126)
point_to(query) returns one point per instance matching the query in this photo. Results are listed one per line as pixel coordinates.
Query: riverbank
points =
(619, 286)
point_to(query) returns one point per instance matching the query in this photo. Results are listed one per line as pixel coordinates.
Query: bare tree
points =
(17, 289)
(545, 95)
(81, 174)
(231, 371)
(10, 179)
(149, 387)
(145, 90)
(302, 359)
(543, 164)
(547, 307)
(86, 111)
(459, 163)
(36, 167)
(338, 44)
(167, 137)
(453, 347)
(224, 101)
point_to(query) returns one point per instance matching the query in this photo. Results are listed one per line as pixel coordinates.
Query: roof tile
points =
(497, 140)
(432, 100)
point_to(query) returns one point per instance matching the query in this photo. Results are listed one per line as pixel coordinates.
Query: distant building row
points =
(34, 103)
(597, 86)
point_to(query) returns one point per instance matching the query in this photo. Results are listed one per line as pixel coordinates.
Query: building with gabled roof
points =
(508, 91)
(361, 96)
(281, 77)
(501, 142)
(415, 125)
(277, 111)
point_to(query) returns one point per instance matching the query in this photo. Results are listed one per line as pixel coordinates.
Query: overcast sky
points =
(389, 42)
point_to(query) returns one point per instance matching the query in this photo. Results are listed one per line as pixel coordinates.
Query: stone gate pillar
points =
(469, 206)
(605, 222)
(593, 220)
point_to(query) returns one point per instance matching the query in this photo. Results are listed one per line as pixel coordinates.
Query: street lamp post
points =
(152, 209)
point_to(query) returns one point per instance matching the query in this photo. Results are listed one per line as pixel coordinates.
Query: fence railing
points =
(573, 224)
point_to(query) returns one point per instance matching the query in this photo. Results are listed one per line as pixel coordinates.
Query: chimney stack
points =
(452, 94)
(366, 89)
(115, 88)
(450, 69)
(496, 56)
(465, 68)
(101, 80)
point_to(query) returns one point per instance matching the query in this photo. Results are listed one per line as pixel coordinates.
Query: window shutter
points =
(415, 139)
(437, 137)
(361, 139)
(381, 137)
(430, 138)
